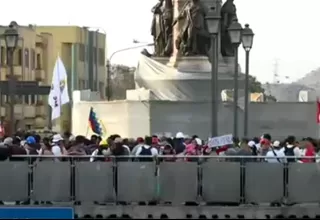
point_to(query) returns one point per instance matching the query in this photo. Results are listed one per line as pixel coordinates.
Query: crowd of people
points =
(178, 147)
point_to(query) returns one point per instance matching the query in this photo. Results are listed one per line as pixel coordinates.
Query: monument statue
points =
(194, 38)
(161, 28)
(228, 15)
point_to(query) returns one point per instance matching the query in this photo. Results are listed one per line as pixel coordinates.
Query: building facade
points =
(31, 68)
(83, 54)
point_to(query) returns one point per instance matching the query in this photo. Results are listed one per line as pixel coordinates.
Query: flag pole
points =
(87, 130)
(60, 102)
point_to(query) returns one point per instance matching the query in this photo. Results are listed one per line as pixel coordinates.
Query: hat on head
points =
(30, 140)
(8, 140)
(276, 144)
(198, 141)
(264, 141)
(103, 143)
(56, 138)
(179, 135)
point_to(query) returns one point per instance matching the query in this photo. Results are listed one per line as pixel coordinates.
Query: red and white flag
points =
(318, 111)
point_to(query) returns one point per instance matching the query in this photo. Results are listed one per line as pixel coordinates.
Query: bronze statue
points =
(228, 15)
(161, 28)
(194, 38)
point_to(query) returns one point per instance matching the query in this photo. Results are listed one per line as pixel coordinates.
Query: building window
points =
(101, 57)
(18, 99)
(33, 99)
(26, 57)
(3, 56)
(94, 55)
(82, 52)
(39, 61)
(33, 59)
(26, 99)
(18, 56)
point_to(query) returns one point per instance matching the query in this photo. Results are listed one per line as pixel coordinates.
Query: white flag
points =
(59, 89)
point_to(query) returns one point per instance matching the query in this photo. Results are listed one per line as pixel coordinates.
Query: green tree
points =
(256, 87)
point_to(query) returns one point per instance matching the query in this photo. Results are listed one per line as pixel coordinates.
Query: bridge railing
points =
(209, 179)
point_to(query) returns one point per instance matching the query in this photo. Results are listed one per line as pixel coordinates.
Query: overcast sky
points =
(286, 30)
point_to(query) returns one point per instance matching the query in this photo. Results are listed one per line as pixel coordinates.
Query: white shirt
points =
(272, 158)
(56, 150)
(154, 151)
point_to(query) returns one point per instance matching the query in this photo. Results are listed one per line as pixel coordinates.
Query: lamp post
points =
(11, 37)
(235, 30)
(109, 66)
(213, 22)
(247, 42)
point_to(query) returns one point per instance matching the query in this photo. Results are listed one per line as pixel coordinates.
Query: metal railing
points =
(207, 179)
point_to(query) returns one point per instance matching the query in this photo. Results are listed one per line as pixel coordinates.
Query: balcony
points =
(40, 111)
(17, 70)
(40, 74)
(29, 111)
(18, 111)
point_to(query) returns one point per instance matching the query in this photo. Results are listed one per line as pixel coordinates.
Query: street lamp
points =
(108, 65)
(247, 42)
(213, 24)
(11, 37)
(235, 30)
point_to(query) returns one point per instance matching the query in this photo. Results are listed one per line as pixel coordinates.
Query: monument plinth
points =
(198, 64)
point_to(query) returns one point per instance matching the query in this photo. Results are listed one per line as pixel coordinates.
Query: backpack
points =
(289, 152)
(145, 152)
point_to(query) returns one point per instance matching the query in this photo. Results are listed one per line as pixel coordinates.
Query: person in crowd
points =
(32, 147)
(276, 154)
(291, 149)
(146, 150)
(102, 150)
(167, 150)
(309, 150)
(194, 149)
(179, 144)
(58, 149)
(265, 144)
(139, 143)
(244, 151)
(254, 149)
(119, 150)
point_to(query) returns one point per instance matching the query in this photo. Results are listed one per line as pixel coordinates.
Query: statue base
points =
(188, 79)
(198, 64)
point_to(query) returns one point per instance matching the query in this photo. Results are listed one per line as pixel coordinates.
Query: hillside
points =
(290, 92)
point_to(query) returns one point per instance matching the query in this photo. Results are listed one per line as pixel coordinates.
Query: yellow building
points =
(83, 54)
(31, 68)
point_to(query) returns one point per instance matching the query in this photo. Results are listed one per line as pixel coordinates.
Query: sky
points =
(285, 30)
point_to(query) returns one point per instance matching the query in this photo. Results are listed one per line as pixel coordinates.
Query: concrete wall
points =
(134, 118)
(278, 119)
(129, 119)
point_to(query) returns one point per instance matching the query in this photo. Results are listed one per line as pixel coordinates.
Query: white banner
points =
(220, 141)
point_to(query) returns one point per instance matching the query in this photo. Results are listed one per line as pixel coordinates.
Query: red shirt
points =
(310, 152)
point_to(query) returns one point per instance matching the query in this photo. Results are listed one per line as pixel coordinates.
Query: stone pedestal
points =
(198, 64)
(190, 80)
